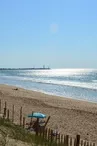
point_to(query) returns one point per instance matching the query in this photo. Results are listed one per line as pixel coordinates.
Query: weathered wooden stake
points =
(71, 141)
(37, 126)
(13, 113)
(85, 143)
(51, 135)
(5, 109)
(67, 140)
(94, 144)
(0, 106)
(77, 140)
(23, 122)
(61, 139)
(46, 133)
(31, 117)
(90, 144)
(8, 114)
(21, 116)
(81, 142)
(49, 132)
(64, 140)
(56, 139)
(40, 132)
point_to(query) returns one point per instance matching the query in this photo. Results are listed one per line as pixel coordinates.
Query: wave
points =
(89, 85)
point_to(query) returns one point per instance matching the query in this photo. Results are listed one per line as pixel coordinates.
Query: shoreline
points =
(51, 94)
(70, 116)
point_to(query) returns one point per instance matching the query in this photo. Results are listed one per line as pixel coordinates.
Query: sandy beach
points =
(68, 115)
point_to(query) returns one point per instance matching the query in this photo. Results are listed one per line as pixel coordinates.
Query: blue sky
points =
(57, 33)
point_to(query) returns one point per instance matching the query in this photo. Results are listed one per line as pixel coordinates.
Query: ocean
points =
(71, 83)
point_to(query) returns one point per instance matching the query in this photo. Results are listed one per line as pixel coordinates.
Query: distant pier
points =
(43, 68)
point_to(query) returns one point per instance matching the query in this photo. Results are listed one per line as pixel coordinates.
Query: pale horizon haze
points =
(54, 33)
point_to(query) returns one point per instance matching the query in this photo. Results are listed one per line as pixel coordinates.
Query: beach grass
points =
(8, 130)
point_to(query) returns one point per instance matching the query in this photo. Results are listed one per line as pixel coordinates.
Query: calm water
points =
(72, 83)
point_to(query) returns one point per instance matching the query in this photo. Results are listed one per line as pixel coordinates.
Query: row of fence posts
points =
(6, 114)
(64, 140)
(46, 133)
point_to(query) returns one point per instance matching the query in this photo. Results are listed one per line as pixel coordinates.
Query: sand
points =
(68, 115)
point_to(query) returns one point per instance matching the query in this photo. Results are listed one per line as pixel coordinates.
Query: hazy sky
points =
(58, 33)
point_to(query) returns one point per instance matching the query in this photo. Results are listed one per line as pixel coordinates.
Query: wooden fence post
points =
(56, 138)
(31, 117)
(23, 122)
(0, 106)
(5, 104)
(67, 140)
(51, 135)
(61, 139)
(40, 132)
(94, 144)
(8, 114)
(49, 132)
(5, 109)
(21, 116)
(85, 143)
(37, 127)
(70, 141)
(13, 113)
(81, 142)
(77, 140)
(64, 140)
(46, 133)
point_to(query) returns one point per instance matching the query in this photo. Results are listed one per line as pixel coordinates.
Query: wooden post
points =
(51, 135)
(5, 108)
(77, 140)
(31, 117)
(81, 142)
(46, 133)
(5, 104)
(70, 141)
(0, 106)
(85, 143)
(13, 113)
(61, 139)
(8, 114)
(56, 138)
(94, 144)
(21, 116)
(23, 122)
(64, 140)
(37, 126)
(40, 132)
(47, 121)
(67, 140)
(49, 132)
(43, 134)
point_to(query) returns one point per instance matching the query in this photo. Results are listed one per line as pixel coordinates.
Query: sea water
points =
(72, 83)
